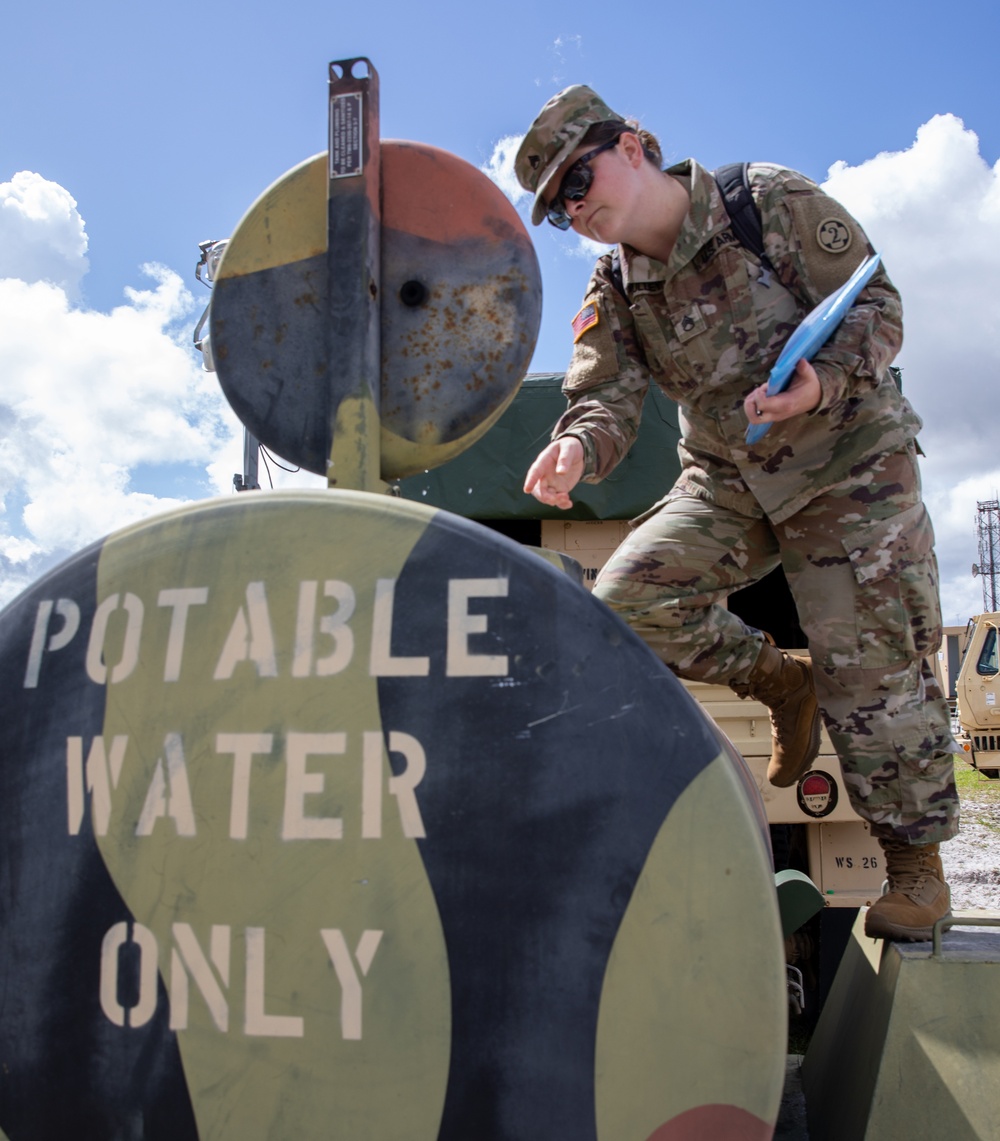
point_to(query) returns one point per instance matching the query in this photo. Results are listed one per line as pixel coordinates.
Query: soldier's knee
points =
(617, 594)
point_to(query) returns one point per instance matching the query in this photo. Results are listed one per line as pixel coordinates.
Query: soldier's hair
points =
(605, 132)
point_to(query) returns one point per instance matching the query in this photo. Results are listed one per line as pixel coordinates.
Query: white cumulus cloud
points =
(933, 210)
(500, 168)
(86, 398)
(89, 401)
(105, 418)
(42, 236)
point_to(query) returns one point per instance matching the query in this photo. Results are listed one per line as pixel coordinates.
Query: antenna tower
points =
(989, 550)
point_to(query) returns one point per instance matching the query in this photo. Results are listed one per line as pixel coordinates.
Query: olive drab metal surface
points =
(331, 815)
(908, 1043)
(302, 300)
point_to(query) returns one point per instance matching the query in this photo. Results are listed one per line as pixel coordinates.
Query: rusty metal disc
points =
(460, 310)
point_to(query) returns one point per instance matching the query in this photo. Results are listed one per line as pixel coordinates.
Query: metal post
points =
(251, 454)
(353, 257)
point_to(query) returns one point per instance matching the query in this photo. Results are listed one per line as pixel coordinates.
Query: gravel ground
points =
(972, 859)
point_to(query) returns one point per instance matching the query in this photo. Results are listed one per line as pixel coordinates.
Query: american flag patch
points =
(586, 319)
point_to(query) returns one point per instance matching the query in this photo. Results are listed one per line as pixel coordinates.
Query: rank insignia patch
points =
(586, 319)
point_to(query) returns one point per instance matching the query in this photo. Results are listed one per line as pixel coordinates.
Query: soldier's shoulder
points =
(770, 178)
(602, 276)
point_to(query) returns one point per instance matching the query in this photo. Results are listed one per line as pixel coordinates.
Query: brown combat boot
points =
(917, 897)
(785, 685)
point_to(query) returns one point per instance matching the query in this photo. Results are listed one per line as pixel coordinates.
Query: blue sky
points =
(166, 121)
(162, 124)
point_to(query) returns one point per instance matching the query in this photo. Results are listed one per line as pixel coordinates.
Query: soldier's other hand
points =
(555, 473)
(803, 394)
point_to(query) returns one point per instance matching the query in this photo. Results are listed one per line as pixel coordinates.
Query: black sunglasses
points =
(574, 186)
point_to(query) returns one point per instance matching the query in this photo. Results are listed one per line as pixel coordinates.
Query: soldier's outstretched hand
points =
(556, 472)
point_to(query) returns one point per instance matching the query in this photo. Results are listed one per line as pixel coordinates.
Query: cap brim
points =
(539, 209)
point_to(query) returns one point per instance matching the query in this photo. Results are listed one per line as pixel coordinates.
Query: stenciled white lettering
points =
(99, 778)
(169, 792)
(299, 783)
(69, 612)
(401, 787)
(334, 625)
(186, 958)
(243, 746)
(257, 1022)
(97, 670)
(350, 984)
(181, 602)
(210, 974)
(321, 644)
(382, 662)
(145, 943)
(250, 637)
(461, 663)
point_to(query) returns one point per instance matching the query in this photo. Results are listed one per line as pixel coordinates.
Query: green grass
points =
(973, 786)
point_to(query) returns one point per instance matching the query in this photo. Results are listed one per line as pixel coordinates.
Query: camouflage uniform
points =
(833, 495)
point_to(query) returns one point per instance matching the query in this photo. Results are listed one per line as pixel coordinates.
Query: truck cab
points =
(978, 695)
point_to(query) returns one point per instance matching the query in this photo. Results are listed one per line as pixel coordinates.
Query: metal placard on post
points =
(346, 133)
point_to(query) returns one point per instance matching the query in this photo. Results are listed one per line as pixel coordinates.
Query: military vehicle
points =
(977, 690)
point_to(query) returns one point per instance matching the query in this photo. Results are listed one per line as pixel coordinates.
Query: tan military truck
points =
(977, 692)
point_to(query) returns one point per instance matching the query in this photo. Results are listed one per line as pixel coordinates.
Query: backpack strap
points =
(616, 273)
(734, 186)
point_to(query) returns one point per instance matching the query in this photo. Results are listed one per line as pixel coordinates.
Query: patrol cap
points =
(554, 136)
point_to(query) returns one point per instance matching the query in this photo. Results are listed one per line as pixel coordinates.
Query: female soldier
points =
(832, 492)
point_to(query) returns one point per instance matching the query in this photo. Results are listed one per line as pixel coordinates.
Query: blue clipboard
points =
(812, 333)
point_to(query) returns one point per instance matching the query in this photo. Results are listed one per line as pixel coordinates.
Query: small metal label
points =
(346, 113)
